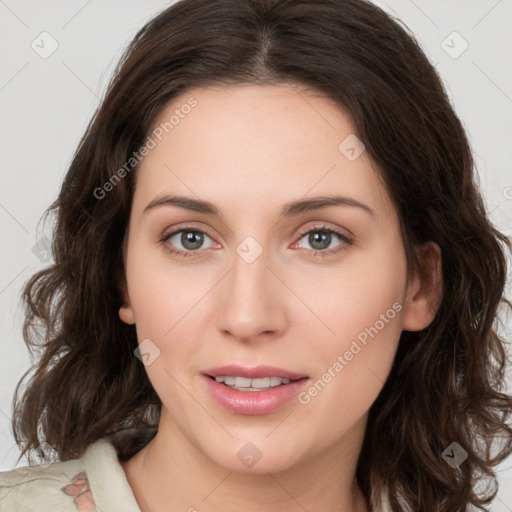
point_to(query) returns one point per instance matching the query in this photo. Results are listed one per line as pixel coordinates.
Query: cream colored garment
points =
(95, 482)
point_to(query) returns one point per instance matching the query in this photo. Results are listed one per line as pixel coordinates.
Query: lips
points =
(222, 383)
(258, 372)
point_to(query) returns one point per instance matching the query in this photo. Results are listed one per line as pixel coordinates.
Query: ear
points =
(424, 292)
(126, 311)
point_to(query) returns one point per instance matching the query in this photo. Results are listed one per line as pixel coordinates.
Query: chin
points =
(258, 457)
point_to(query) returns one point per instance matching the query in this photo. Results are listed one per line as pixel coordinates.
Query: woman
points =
(275, 280)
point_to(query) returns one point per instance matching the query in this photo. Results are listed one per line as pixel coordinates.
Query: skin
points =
(249, 150)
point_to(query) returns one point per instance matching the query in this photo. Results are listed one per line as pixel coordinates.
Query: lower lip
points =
(254, 402)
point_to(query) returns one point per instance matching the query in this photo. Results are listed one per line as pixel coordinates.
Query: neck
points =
(171, 473)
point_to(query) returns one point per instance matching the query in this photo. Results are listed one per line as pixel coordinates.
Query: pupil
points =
(320, 237)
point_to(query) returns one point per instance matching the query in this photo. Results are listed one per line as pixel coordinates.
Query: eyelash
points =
(322, 229)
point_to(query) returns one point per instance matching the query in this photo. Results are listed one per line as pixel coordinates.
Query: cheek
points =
(361, 304)
(166, 300)
(161, 292)
(169, 302)
(351, 297)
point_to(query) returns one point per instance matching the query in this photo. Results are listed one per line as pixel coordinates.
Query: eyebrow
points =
(290, 209)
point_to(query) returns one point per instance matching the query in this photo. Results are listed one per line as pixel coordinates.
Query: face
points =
(272, 272)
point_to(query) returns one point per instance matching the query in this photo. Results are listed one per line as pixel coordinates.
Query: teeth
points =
(242, 382)
(245, 384)
(261, 383)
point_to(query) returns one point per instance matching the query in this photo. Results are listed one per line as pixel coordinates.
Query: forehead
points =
(242, 145)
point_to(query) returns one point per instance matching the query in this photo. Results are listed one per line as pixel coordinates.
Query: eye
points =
(322, 240)
(191, 240)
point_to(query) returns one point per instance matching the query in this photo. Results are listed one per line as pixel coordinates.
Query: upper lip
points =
(252, 373)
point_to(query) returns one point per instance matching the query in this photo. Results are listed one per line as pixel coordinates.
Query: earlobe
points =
(125, 311)
(424, 293)
(126, 314)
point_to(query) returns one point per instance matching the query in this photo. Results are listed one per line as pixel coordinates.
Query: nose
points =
(252, 303)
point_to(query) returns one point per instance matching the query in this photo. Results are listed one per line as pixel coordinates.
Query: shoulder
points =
(35, 488)
(75, 485)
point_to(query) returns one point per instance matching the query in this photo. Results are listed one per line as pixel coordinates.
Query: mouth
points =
(252, 391)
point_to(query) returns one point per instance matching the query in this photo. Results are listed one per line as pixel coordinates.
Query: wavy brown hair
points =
(447, 383)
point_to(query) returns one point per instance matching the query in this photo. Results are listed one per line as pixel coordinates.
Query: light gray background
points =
(47, 103)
